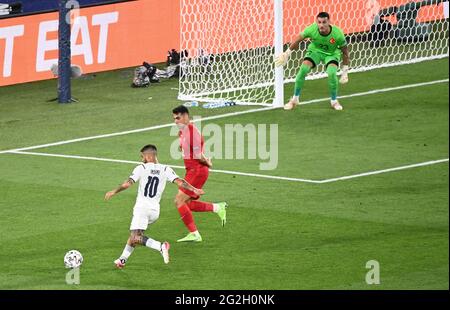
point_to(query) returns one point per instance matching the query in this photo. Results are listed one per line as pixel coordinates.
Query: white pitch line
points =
(120, 133)
(427, 163)
(176, 167)
(244, 173)
(82, 157)
(265, 176)
(378, 91)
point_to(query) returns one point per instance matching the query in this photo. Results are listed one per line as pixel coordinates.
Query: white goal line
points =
(256, 175)
(120, 133)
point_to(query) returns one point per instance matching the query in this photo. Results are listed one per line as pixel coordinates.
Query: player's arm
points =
(205, 160)
(294, 45)
(282, 59)
(122, 187)
(345, 64)
(184, 184)
(197, 149)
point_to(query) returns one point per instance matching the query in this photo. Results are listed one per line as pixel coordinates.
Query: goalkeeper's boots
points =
(291, 104)
(335, 105)
(120, 262)
(222, 212)
(165, 251)
(191, 237)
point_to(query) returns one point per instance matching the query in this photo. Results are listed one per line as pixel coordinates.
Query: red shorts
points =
(196, 177)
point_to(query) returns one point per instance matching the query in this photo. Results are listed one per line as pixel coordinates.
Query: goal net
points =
(228, 45)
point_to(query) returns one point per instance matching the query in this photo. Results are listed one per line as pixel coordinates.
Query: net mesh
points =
(228, 44)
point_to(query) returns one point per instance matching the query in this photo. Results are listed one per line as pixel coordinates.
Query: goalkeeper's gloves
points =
(282, 59)
(344, 75)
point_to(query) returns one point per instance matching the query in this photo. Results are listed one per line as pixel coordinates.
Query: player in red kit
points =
(197, 171)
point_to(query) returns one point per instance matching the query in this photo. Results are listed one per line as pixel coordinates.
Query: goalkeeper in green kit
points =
(327, 44)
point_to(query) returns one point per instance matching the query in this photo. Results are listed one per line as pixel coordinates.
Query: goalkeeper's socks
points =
(127, 252)
(300, 79)
(332, 81)
(200, 206)
(296, 98)
(187, 218)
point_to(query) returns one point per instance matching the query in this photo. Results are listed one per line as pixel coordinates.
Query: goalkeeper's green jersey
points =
(325, 44)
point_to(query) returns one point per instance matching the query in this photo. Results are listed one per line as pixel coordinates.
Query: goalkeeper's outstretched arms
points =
(281, 60)
(345, 64)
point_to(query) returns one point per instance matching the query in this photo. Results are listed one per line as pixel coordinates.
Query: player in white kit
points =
(152, 178)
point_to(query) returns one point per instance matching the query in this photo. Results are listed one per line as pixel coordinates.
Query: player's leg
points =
(332, 64)
(126, 253)
(141, 239)
(220, 208)
(198, 180)
(139, 223)
(305, 68)
(310, 61)
(142, 217)
(181, 201)
(201, 206)
(161, 247)
(152, 214)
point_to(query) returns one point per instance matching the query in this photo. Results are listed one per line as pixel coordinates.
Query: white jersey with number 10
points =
(152, 181)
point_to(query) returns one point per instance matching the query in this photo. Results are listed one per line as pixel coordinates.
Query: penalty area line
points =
(426, 163)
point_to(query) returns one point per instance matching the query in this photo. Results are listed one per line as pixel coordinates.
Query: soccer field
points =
(368, 183)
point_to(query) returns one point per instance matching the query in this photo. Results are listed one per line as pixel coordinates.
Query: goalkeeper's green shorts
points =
(316, 57)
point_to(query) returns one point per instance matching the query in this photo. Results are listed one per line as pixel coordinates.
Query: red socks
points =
(196, 206)
(186, 217)
(200, 206)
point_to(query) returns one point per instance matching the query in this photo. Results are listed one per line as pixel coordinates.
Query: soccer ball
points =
(73, 259)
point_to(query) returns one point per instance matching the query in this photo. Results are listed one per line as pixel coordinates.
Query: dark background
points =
(36, 6)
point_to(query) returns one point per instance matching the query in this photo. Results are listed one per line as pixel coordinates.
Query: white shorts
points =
(143, 216)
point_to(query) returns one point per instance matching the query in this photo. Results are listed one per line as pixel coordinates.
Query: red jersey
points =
(192, 146)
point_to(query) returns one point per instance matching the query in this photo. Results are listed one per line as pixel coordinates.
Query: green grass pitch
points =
(280, 234)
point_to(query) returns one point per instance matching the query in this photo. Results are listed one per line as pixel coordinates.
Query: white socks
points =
(153, 244)
(215, 207)
(127, 252)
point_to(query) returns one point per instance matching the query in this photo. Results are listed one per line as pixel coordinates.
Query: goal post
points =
(228, 45)
(278, 100)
